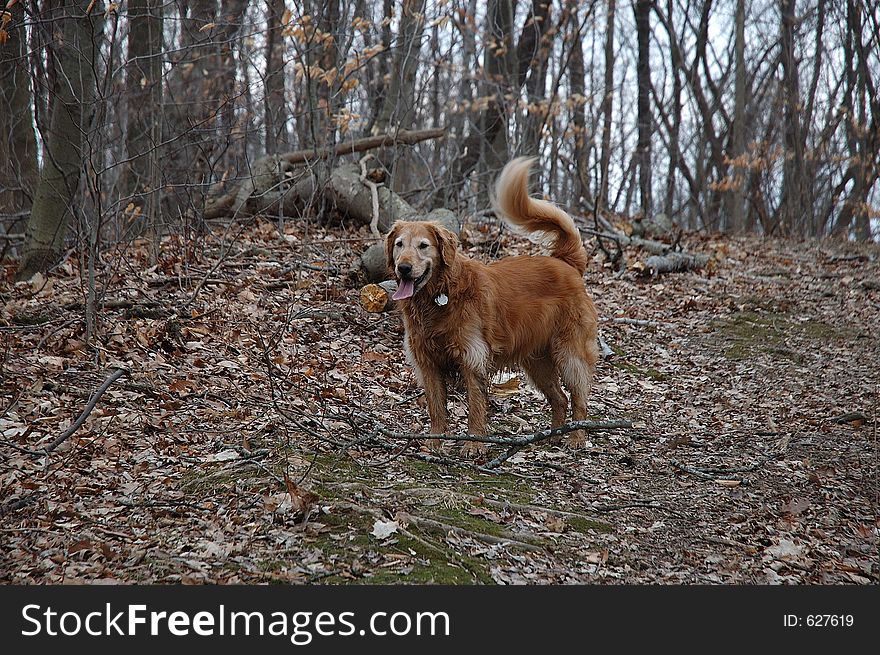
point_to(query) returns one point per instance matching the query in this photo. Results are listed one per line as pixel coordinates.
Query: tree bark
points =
(498, 57)
(18, 146)
(192, 108)
(863, 133)
(322, 59)
(275, 111)
(143, 82)
(793, 205)
(607, 107)
(274, 180)
(399, 104)
(73, 94)
(536, 83)
(581, 138)
(737, 192)
(642, 9)
(674, 262)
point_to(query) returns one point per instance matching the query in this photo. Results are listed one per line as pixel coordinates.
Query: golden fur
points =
(529, 312)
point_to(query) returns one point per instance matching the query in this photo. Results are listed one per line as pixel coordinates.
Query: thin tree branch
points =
(115, 375)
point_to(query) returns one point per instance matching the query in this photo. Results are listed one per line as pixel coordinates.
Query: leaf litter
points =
(242, 445)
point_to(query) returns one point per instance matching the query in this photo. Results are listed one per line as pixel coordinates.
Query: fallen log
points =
(673, 262)
(664, 256)
(286, 183)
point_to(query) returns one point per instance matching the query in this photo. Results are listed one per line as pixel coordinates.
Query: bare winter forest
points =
(202, 375)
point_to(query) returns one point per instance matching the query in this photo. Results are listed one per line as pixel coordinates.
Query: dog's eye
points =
(398, 243)
(423, 246)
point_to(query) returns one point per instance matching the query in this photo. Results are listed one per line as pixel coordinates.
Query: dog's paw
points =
(576, 439)
(474, 449)
(432, 444)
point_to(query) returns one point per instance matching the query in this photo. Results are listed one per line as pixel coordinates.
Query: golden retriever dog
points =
(464, 317)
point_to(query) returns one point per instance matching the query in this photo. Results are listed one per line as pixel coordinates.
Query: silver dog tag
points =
(441, 299)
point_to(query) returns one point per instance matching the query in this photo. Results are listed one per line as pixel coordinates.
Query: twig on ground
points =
(525, 440)
(706, 476)
(727, 473)
(501, 504)
(635, 321)
(115, 375)
(444, 528)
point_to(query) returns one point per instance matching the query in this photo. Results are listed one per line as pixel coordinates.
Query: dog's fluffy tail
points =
(532, 215)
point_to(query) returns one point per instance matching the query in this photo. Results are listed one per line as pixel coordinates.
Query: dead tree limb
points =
(521, 441)
(115, 375)
(402, 138)
(524, 440)
(275, 184)
(674, 262)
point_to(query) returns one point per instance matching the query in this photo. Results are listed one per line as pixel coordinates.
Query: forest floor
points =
(241, 444)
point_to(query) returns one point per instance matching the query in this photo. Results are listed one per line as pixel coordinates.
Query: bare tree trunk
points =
(380, 70)
(192, 108)
(485, 138)
(399, 104)
(792, 209)
(231, 72)
(578, 93)
(143, 82)
(275, 109)
(497, 66)
(863, 133)
(736, 195)
(676, 161)
(322, 57)
(18, 145)
(607, 107)
(642, 9)
(72, 98)
(536, 83)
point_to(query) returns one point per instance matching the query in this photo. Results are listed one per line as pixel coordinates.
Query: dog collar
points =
(441, 300)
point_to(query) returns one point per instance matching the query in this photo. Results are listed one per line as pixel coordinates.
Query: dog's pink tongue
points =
(405, 290)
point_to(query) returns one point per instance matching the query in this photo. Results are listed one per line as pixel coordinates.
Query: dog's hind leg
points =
(543, 374)
(577, 367)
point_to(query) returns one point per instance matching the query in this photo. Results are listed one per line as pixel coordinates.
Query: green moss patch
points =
(748, 334)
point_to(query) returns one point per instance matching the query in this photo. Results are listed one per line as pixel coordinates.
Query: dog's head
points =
(417, 252)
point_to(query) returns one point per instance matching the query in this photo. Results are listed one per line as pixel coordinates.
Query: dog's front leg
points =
(478, 402)
(434, 383)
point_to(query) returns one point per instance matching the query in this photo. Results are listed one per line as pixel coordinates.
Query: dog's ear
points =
(389, 245)
(447, 243)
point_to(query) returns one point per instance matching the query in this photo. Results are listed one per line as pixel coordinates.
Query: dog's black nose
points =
(404, 269)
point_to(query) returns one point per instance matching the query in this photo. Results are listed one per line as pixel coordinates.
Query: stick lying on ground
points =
(514, 444)
(115, 375)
